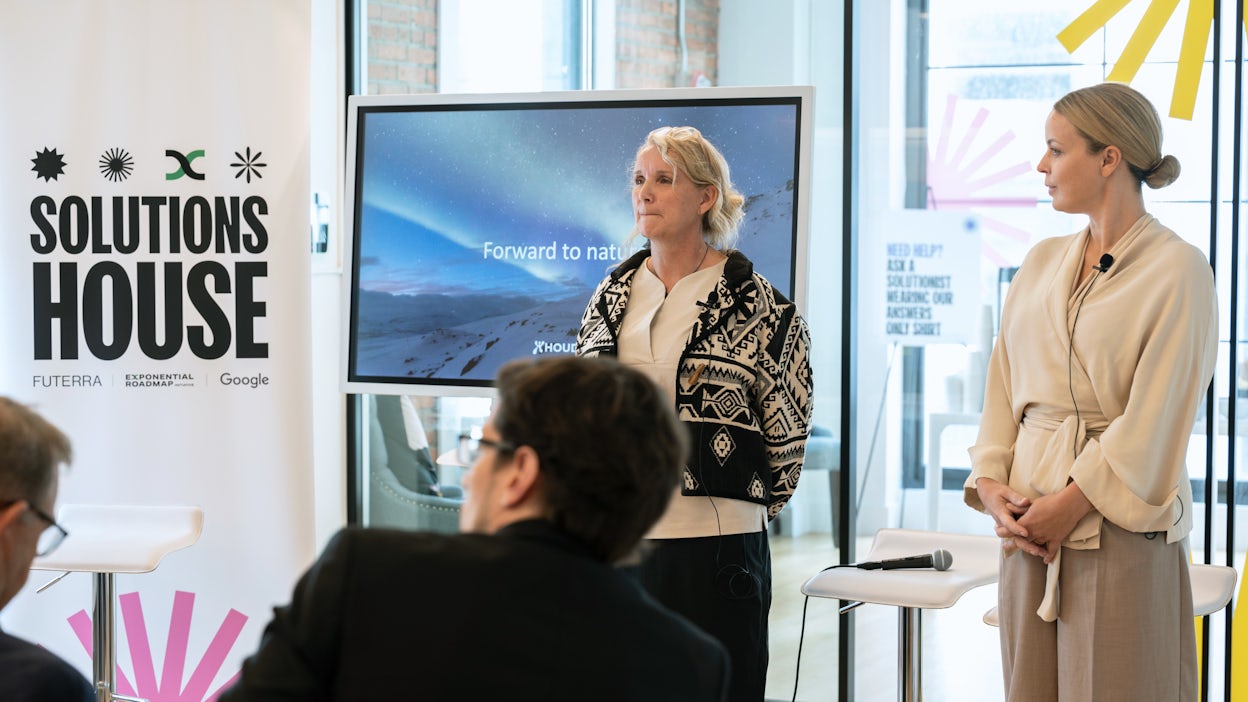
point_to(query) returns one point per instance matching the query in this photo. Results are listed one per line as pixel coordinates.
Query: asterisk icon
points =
(248, 165)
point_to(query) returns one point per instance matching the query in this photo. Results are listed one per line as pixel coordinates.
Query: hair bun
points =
(1164, 173)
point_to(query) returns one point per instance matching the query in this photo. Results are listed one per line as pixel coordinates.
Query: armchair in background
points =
(404, 492)
(823, 452)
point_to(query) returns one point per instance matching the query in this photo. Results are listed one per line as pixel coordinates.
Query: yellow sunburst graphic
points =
(1239, 637)
(1196, 31)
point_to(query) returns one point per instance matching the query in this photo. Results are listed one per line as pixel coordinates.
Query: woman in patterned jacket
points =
(734, 354)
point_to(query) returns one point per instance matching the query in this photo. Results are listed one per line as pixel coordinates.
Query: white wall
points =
(764, 43)
(325, 296)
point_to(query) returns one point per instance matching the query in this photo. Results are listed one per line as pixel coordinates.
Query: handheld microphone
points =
(1105, 262)
(939, 559)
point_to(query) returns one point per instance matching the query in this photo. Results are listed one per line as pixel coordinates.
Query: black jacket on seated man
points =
(527, 604)
(527, 613)
(30, 672)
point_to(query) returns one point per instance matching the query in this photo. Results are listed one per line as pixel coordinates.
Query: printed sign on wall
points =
(154, 182)
(932, 277)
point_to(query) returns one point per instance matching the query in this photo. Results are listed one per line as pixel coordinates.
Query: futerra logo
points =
(148, 273)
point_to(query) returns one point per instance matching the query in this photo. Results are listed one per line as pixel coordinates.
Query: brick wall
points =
(402, 46)
(648, 43)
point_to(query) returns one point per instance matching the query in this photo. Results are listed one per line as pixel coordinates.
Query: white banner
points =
(154, 277)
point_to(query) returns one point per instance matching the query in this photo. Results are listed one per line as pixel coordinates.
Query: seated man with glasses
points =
(31, 454)
(576, 462)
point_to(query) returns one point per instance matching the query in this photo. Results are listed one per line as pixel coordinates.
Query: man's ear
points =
(520, 484)
(10, 514)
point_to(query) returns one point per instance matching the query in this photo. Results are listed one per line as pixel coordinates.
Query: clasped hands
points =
(1037, 527)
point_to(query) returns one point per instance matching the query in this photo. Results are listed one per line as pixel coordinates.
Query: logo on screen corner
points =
(542, 347)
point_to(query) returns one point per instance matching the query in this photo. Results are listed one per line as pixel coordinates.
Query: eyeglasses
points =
(469, 448)
(52, 535)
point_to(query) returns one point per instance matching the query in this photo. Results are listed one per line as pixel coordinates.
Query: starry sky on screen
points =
(437, 184)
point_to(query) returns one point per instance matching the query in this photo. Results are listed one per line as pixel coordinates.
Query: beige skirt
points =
(1125, 628)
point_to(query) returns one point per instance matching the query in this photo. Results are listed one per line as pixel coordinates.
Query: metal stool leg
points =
(910, 654)
(102, 637)
(103, 657)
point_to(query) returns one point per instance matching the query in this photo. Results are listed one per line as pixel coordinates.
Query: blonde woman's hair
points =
(689, 153)
(1117, 114)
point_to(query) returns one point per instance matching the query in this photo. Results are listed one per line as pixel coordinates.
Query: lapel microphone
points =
(1103, 265)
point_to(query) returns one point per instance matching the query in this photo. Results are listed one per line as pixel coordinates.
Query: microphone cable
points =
(801, 636)
(734, 588)
(719, 526)
(1102, 265)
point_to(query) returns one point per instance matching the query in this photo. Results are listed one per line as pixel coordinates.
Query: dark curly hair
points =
(610, 446)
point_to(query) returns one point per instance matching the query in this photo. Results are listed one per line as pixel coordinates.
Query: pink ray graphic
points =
(169, 687)
(81, 624)
(953, 182)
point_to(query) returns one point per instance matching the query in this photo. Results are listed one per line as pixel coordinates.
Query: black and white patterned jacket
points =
(743, 384)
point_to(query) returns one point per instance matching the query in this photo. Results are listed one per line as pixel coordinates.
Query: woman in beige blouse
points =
(1107, 345)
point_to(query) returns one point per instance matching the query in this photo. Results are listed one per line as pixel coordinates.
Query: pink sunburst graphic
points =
(169, 688)
(954, 183)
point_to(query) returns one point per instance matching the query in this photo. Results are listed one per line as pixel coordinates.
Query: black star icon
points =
(48, 164)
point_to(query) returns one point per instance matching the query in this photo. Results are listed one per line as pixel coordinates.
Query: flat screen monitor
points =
(479, 225)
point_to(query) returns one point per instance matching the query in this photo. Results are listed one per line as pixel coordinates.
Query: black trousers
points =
(723, 585)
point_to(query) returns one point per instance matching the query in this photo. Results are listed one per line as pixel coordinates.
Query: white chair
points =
(974, 564)
(110, 539)
(1212, 587)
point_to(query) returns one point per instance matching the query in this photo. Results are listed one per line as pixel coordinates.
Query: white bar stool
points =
(1212, 587)
(974, 564)
(110, 539)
